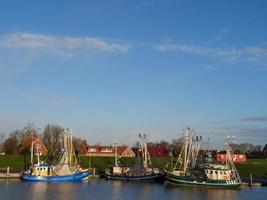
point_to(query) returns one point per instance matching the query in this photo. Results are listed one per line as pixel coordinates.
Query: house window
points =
(92, 150)
(106, 150)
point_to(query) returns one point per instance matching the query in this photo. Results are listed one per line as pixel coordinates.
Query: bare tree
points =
(17, 138)
(176, 146)
(11, 144)
(78, 144)
(52, 139)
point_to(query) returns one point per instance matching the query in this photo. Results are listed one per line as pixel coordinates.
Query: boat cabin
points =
(218, 174)
(121, 170)
(40, 170)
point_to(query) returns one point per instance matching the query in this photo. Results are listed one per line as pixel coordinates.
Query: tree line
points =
(51, 137)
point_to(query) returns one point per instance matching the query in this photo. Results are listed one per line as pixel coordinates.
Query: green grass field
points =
(100, 163)
(256, 167)
(14, 161)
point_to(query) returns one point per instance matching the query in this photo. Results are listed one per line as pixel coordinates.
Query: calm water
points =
(102, 189)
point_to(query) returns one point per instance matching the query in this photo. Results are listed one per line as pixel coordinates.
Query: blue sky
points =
(110, 70)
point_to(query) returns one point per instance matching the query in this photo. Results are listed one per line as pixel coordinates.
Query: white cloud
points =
(52, 44)
(252, 54)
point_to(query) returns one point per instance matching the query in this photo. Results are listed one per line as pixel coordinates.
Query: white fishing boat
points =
(141, 171)
(188, 171)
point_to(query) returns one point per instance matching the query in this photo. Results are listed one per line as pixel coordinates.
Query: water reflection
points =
(44, 191)
(221, 194)
(119, 190)
(202, 193)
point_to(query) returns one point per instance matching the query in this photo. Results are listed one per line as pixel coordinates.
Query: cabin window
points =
(224, 173)
(211, 171)
(216, 172)
(220, 172)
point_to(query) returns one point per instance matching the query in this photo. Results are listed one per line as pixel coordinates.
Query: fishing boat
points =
(192, 170)
(67, 169)
(141, 171)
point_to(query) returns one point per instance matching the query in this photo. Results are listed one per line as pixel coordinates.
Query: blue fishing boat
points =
(77, 177)
(67, 169)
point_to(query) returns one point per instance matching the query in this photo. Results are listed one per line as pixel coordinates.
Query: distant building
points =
(124, 151)
(237, 158)
(157, 150)
(98, 150)
(36, 141)
(106, 151)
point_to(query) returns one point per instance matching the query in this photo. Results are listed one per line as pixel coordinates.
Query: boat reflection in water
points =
(119, 190)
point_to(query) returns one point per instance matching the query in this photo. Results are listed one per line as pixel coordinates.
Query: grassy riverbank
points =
(256, 167)
(100, 163)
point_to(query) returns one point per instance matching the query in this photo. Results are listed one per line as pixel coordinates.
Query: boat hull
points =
(77, 177)
(198, 182)
(158, 177)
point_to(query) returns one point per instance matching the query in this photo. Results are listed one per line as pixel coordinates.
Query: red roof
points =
(37, 141)
(121, 149)
(157, 150)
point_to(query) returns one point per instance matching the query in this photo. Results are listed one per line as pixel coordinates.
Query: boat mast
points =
(116, 155)
(144, 150)
(38, 153)
(186, 140)
(195, 152)
(229, 158)
(32, 149)
(189, 152)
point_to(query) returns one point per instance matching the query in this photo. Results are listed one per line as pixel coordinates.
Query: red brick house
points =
(35, 140)
(106, 151)
(157, 150)
(99, 150)
(124, 151)
(237, 158)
